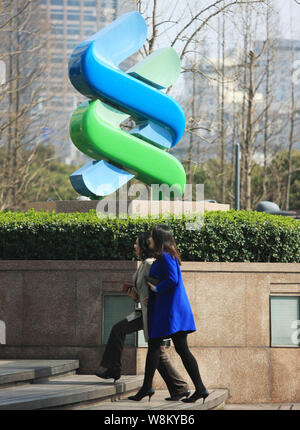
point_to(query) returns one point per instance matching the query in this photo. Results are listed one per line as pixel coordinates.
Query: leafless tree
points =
(183, 25)
(267, 95)
(25, 52)
(292, 117)
(251, 117)
(258, 118)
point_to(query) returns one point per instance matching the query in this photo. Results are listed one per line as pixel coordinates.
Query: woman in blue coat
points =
(169, 313)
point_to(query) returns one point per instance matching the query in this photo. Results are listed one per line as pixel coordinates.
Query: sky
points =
(287, 9)
(289, 19)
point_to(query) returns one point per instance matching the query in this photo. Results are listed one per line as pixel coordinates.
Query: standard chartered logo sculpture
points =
(115, 95)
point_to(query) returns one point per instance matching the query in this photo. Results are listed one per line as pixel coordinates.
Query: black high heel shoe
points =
(141, 394)
(109, 374)
(178, 396)
(197, 395)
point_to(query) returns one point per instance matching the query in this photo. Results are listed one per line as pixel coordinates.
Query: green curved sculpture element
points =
(95, 130)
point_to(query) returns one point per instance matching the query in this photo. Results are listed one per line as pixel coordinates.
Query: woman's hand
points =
(152, 287)
(131, 293)
(145, 301)
(126, 286)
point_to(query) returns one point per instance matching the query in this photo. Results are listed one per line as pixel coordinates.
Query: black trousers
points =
(113, 351)
(180, 342)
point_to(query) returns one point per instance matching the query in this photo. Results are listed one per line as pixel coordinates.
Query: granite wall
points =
(53, 309)
(232, 342)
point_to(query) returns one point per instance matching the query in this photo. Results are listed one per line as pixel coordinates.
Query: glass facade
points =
(70, 21)
(285, 320)
(115, 309)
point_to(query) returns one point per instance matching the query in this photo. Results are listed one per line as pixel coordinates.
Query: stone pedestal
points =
(136, 207)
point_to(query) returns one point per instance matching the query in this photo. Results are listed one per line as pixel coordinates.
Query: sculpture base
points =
(136, 207)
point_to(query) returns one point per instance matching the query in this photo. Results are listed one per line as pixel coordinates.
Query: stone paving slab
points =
(158, 402)
(65, 390)
(12, 371)
(264, 406)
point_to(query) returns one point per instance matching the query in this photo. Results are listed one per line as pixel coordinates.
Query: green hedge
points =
(224, 236)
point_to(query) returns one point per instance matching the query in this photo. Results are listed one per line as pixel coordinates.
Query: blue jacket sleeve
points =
(169, 273)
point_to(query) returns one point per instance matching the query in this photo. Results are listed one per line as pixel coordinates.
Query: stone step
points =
(13, 372)
(66, 390)
(48, 384)
(215, 400)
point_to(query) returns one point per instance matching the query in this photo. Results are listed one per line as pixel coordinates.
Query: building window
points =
(141, 342)
(285, 321)
(55, 30)
(57, 2)
(89, 18)
(57, 16)
(72, 45)
(73, 3)
(57, 60)
(73, 31)
(2, 332)
(73, 17)
(115, 309)
(90, 3)
(56, 75)
(58, 45)
(2, 72)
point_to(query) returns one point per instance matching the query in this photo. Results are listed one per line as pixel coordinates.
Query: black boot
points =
(108, 374)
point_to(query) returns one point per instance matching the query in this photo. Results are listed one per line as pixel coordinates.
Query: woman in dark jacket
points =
(169, 314)
(139, 292)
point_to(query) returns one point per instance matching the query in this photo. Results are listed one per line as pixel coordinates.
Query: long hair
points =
(164, 241)
(143, 240)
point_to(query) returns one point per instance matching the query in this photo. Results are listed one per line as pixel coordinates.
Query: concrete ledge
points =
(229, 267)
(68, 265)
(131, 266)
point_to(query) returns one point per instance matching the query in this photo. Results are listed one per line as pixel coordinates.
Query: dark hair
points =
(164, 241)
(143, 240)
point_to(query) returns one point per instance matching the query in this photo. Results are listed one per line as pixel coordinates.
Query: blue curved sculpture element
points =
(94, 71)
(114, 178)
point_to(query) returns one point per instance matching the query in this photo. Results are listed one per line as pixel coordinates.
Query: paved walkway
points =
(264, 406)
(214, 400)
(157, 402)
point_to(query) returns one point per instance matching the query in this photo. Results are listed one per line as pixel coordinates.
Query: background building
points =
(70, 22)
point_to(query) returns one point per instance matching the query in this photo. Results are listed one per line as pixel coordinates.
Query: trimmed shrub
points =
(225, 236)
